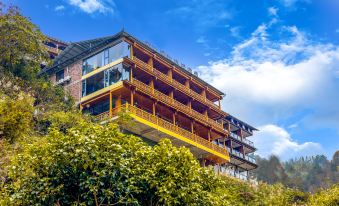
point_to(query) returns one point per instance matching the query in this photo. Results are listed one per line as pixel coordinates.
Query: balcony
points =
(237, 137)
(178, 105)
(152, 123)
(242, 156)
(175, 84)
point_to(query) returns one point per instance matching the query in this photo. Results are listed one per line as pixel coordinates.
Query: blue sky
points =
(277, 60)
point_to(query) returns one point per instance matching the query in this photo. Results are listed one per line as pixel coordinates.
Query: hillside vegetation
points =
(51, 154)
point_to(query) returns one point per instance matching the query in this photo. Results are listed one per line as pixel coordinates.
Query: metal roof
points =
(228, 117)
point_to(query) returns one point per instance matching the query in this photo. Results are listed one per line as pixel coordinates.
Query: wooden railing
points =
(169, 126)
(181, 107)
(175, 83)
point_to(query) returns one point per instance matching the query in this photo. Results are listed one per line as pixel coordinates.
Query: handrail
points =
(246, 141)
(184, 108)
(168, 125)
(175, 83)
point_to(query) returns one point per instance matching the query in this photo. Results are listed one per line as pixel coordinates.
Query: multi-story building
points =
(165, 100)
(54, 46)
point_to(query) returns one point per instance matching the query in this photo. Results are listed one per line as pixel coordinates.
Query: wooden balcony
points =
(177, 105)
(165, 78)
(164, 126)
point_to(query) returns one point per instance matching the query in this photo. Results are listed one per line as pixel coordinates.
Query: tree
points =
(21, 44)
(96, 164)
(328, 197)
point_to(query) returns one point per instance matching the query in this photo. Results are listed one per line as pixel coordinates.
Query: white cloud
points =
(291, 3)
(59, 8)
(337, 30)
(273, 11)
(272, 139)
(268, 81)
(92, 6)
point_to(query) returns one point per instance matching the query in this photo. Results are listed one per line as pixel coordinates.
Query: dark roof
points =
(78, 50)
(229, 117)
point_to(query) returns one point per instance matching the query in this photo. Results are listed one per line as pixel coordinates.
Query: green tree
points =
(21, 44)
(93, 164)
(327, 197)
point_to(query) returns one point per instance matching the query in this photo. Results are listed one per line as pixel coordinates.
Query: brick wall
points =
(74, 86)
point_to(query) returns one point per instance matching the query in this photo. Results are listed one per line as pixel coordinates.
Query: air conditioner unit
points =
(65, 79)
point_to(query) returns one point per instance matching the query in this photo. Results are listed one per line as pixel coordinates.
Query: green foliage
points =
(97, 164)
(305, 173)
(16, 116)
(328, 197)
(21, 44)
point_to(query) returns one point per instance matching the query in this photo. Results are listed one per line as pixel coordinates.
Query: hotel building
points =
(120, 73)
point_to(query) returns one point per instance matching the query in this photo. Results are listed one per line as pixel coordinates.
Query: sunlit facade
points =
(120, 73)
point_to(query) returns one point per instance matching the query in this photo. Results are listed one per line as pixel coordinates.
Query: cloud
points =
(273, 11)
(337, 30)
(93, 6)
(203, 14)
(59, 8)
(273, 139)
(291, 3)
(277, 72)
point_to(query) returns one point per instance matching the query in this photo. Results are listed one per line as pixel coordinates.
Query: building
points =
(54, 46)
(165, 100)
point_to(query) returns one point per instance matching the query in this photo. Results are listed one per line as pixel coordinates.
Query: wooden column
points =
(151, 84)
(206, 113)
(154, 107)
(219, 102)
(150, 62)
(209, 134)
(174, 117)
(131, 73)
(171, 94)
(192, 126)
(110, 104)
(203, 93)
(132, 52)
(187, 83)
(118, 102)
(189, 104)
(132, 97)
(170, 74)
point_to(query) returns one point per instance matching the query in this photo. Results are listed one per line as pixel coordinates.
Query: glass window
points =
(105, 57)
(59, 75)
(97, 108)
(105, 79)
(94, 83)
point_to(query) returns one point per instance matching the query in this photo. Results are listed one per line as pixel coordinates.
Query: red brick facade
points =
(74, 85)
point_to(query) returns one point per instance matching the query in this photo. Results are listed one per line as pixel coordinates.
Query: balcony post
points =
(131, 73)
(206, 114)
(154, 107)
(151, 84)
(187, 83)
(110, 104)
(132, 97)
(219, 102)
(192, 126)
(118, 102)
(170, 75)
(174, 117)
(209, 134)
(150, 62)
(132, 51)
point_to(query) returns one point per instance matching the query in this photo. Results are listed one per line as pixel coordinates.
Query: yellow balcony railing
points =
(175, 83)
(177, 130)
(178, 105)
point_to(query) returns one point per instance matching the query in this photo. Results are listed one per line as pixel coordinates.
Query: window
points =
(59, 75)
(97, 108)
(105, 79)
(105, 57)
